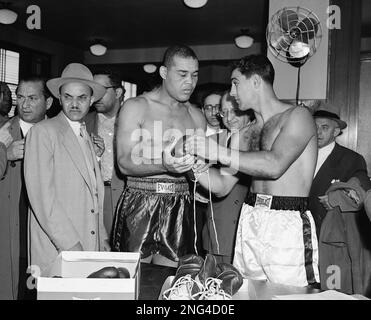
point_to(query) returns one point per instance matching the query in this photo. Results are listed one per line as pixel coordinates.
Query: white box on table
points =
(75, 266)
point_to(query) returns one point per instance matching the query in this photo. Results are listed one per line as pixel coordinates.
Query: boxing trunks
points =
(155, 216)
(276, 241)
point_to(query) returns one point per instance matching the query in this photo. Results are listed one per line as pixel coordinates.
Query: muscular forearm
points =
(261, 164)
(220, 184)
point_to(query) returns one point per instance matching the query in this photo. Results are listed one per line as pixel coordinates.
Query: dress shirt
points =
(323, 154)
(25, 126)
(106, 127)
(211, 131)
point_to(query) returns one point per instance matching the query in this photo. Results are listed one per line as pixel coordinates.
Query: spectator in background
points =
(334, 162)
(211, 110)
(33, 100)
(102, 123)
(5, 102)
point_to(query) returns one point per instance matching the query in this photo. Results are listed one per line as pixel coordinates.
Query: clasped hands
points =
(198, 148)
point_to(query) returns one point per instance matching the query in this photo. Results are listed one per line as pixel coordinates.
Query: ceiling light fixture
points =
(244, 40)
(195, 3)
(149, 68)
(7, 16)
(98, 49)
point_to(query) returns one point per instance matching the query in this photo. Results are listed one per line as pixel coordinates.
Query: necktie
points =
(86, 144)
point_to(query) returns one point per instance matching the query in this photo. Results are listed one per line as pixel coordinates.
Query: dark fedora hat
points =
(329, 115)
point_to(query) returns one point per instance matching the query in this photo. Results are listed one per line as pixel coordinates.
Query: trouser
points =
(276, 241)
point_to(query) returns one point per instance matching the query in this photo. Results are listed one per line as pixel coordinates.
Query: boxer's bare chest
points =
(167, 123)
(269, 133)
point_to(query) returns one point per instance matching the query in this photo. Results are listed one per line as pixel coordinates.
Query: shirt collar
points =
(25, 126)
(75, 126)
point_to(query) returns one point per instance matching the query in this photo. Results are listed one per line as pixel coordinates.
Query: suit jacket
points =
(344, 241)
(341, 164)
(117, 182)
(10, 190)
(66, 209)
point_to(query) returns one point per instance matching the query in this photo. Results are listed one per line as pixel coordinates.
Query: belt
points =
(158, 185)
(277, 202)
(107, 183)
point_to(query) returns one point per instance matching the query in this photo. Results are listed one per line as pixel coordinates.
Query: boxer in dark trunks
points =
(154, 214)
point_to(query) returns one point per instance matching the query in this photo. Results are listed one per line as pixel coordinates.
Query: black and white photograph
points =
(193, 150)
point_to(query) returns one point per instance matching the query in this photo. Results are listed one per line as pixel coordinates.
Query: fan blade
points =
(308, 28)
(283, 42)
(288, 19)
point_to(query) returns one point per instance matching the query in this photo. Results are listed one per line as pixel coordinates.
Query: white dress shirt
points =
(211, 131)
(323, 154)
(25, 126)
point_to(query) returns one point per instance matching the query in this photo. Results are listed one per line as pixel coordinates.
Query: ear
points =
(119, 93)
(163, 72)
(257, 80)
(92, 99)
(49, 102)
(337, 131)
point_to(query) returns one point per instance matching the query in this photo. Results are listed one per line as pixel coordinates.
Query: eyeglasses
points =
(210, 107)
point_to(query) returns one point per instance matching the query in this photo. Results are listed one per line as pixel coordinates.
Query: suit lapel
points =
(73, 148)
(15, 129)
(331, 162)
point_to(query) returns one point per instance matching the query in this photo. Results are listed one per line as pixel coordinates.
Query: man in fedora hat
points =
(334, 162)
(62, 174)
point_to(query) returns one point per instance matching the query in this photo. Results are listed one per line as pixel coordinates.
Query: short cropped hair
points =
(256, 64)
(41, 80)
(211, 92)
(114, 77)
(179, 51)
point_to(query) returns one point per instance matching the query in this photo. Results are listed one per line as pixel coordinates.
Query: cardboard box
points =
(75, 266)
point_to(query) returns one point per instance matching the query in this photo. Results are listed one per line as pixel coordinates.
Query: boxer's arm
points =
(292, 140)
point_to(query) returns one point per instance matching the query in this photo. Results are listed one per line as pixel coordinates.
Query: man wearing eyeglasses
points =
(101, 125)
(211, 109)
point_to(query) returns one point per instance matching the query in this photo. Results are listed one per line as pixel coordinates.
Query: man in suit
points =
(33, 101)
(220, 228)
(334, 162)
(62, 174)
(101, 124)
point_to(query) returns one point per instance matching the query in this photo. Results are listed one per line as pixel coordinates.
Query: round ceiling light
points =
(149, 68)
(195, 3)
(7, 16)
(98, 49)
(244, 41)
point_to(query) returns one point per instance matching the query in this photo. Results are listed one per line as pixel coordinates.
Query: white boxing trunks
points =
(276, 241)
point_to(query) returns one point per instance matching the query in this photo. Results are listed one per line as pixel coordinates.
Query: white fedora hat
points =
(76, 72)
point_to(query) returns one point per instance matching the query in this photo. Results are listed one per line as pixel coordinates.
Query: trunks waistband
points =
(158, 185)
(277, 202)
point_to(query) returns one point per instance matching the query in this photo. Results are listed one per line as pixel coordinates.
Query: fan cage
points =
(279, 40)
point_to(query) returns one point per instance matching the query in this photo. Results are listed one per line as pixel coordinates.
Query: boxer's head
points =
(179, 72)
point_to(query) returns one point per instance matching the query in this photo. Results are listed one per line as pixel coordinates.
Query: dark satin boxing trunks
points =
(155, 216)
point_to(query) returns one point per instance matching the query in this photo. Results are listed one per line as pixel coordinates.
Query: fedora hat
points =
(76, 72)
(330, 115)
